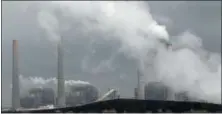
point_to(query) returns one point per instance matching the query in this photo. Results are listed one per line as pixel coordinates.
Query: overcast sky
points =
(37, 54)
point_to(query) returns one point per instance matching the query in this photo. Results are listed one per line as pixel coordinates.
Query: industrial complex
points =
(77, 95)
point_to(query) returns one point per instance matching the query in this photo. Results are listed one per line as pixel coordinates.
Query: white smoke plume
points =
(189, 67)
(27, 83)
(184, 67)
(111, 16)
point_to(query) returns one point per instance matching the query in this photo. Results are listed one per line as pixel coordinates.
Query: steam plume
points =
(187, 67)
(28, 83)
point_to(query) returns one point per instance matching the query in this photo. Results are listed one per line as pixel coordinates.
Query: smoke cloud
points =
(112, 18)
(186, 66)
(27, 83)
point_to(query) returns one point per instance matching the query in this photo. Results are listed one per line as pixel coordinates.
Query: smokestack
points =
(15, 77)
(60, 78)
(140, 86)
(136, 93)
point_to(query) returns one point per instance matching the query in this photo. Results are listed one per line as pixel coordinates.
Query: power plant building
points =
(157, 91)
(78, 94)
(81, 94)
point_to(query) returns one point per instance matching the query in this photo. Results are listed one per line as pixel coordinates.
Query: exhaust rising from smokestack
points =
(15, 77)
(61, 88)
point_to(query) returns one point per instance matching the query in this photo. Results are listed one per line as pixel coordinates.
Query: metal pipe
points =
(15, 77)
(111, 94)
(60, 77)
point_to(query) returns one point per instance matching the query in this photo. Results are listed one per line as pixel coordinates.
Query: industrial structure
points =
(150, 97)
(37, 97)
(111, 94)
(15, 77)
(77, 95)
(81, 94)
(140, 85)
(60, 102)
(157, 91)
(61, 98)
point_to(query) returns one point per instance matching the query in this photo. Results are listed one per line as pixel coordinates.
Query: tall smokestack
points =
(140, 85)
(60, 78)
(15, 77)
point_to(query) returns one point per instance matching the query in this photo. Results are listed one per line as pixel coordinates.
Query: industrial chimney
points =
(60, 78)
(140, 85)
(136, 93)
(15, 77)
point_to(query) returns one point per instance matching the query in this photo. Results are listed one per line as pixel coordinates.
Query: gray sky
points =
(37, 57)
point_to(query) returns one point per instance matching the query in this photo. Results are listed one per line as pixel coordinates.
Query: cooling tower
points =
(60, 78)
(15, 77)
